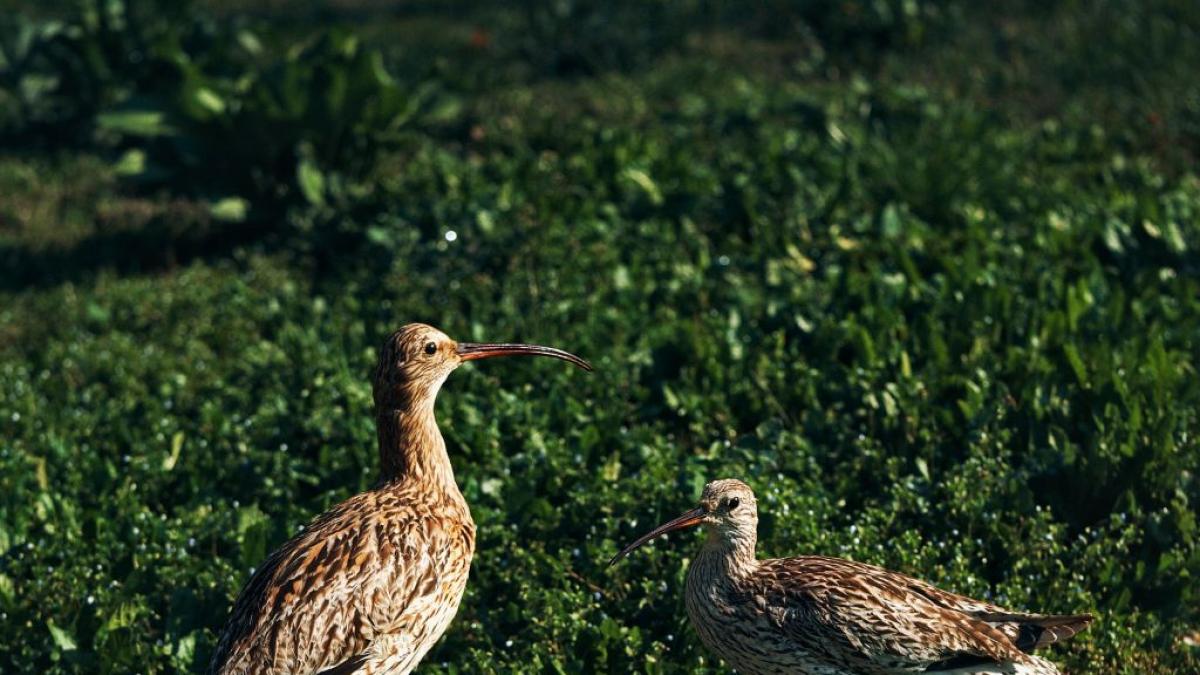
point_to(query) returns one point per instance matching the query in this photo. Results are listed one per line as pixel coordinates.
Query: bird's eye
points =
(733, 503)
(430, 347)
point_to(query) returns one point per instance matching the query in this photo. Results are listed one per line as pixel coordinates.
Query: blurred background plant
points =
(924, 273)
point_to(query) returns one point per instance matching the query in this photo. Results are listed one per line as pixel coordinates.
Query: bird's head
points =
(415, 361)
(727, 510)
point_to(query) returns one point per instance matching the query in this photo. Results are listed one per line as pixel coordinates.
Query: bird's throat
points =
(411, 448)
(733, 555)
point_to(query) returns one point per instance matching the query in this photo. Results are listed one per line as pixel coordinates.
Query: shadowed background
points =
(924, 274)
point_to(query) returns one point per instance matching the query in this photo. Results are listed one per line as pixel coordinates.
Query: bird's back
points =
(369, 586)
(813, 614)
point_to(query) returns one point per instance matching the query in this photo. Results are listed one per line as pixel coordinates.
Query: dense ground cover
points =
(925, 276)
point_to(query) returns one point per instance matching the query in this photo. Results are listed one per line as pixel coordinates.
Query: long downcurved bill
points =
(469, 351)
(690, 519)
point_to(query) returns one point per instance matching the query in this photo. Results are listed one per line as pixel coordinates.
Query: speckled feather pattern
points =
(378, 576)
(828, 616)
(370, 585)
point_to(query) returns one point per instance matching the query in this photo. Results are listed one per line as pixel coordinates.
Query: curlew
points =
(827, 616)
(371, 584)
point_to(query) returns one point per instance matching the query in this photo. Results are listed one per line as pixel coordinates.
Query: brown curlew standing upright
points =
(829, 616)
(372, 583)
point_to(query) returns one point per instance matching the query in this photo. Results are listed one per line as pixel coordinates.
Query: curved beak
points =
(469, 351)
(690, 519)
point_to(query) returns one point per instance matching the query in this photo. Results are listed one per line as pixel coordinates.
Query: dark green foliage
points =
(58, 75)
(575, 37)
(935, 332)
(191, 103)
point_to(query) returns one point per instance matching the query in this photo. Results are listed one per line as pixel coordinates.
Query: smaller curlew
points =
(827, 616)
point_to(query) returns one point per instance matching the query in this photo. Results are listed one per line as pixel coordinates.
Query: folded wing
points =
(883, 620)
(319, 602)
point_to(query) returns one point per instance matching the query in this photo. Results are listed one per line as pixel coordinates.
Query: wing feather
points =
(876, 616)
(320, 600)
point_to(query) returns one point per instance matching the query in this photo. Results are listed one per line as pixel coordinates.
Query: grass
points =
(930, 286)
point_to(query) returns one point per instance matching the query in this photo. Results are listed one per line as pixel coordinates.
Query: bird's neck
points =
(411, 447)
(731, 555)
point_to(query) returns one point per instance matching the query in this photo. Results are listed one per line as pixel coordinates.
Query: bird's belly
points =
(423, 621)
(399, 654)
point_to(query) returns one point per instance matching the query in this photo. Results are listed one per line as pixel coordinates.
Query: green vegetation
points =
(926, 275)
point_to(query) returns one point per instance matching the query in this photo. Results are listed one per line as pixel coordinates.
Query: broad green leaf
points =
(145, 123)
(62, 637)
(230, 209)
(311, 181)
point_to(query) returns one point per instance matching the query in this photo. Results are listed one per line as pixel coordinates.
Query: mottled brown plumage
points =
(372, 583)
(830, 616)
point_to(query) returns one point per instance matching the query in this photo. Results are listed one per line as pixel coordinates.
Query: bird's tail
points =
(1031, 665)
(1036, 631)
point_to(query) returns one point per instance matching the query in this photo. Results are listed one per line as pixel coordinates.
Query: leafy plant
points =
(60, 74)
(327, 106)
(206, 112)
(933, 333)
